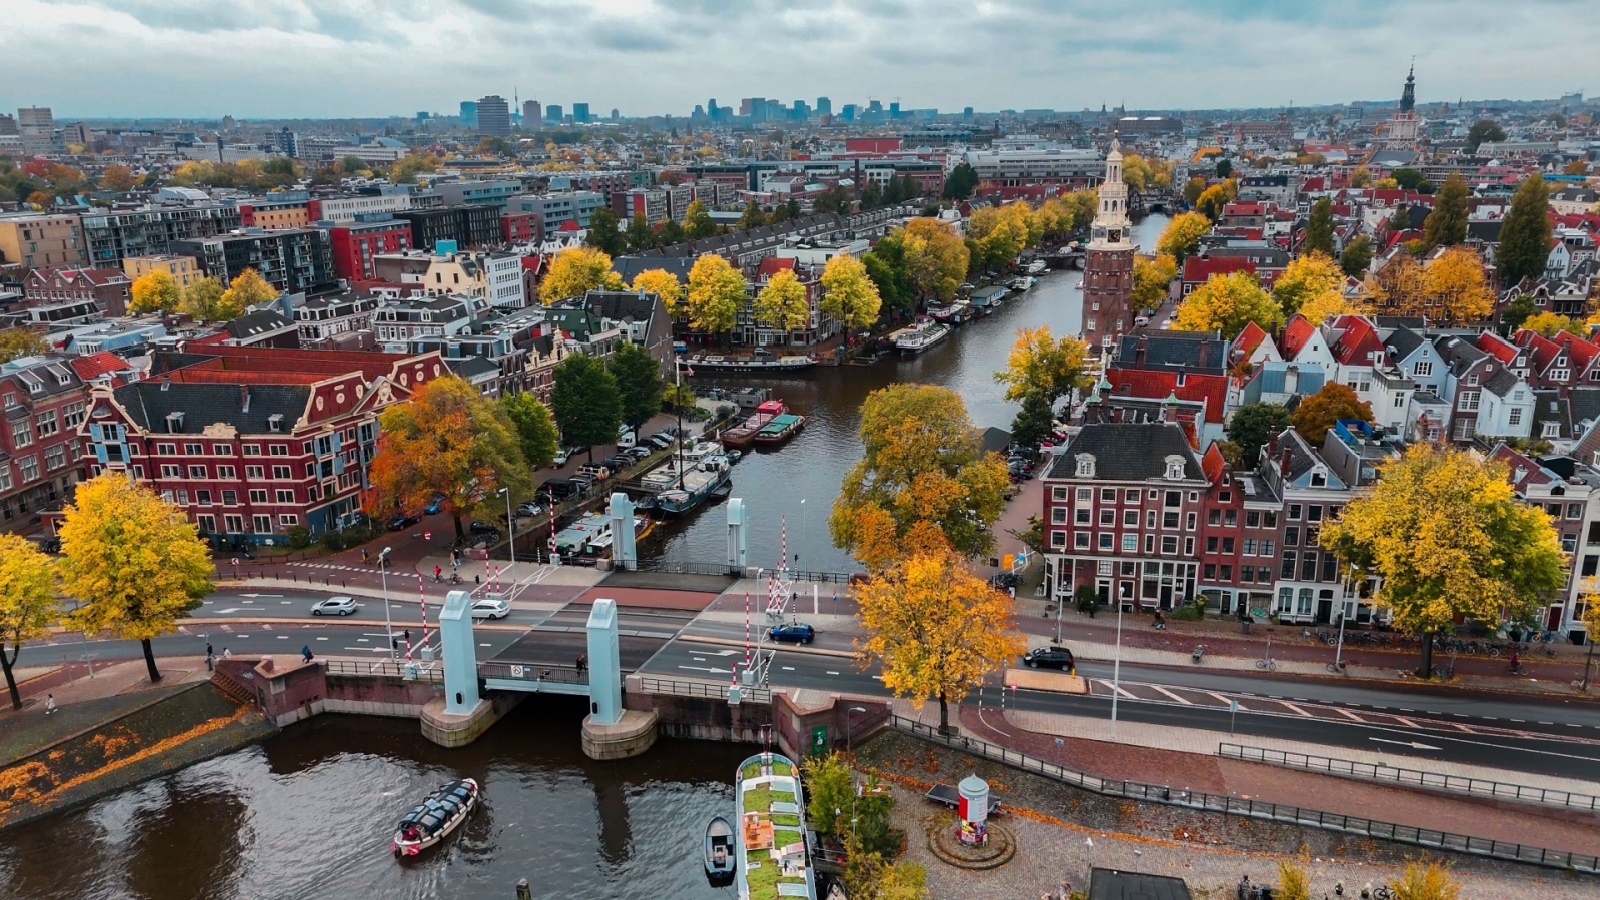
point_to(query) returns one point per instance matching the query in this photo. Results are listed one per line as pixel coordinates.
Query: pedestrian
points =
(305, 653)
(363, 556)
(211, 660)
(208, 648)
(226, 653)
(49, 704)
(438, 573)
(583, 664)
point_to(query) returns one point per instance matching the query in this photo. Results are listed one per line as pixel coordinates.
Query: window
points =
(1059, 494)
(280, 473)
(255, 473)
(280, 449)
(1130, 518)
(172, 471)
(1104, 540)
(1149, 543)
(1211, 545)
(203, 498)
(1268, 548)
(1210, 571)
(1081, 540)
(1108, 495)
(73, 415)
(1252, 520)
(1214, 517)
(1108, 517)
(193, 450)
(1058, 515)
(252, 449)
(1130, 543)
(28, 467)
(225, 473)
(1189, 521)
(285, 497)
(1173, 499)
(234, 524)
(1422, 369)
(1082, 516)
(1150, 520)
(1131, 495)
(1188, 546)
(197, 473)
(1249, 547)
(1294, 512)
(261, 524)
(288, 520)
(258, 496)
(1308, 567)
(1515, 418)
(1574, 510)
(55, 457)
(1227, 545)
(1313, 514)
(1085, 495)
(208, 524)
(1469, 401)
(166, 449)
(1169, 544)
(1231, 518)
(1058, 540)
(1287, 570)
(1553, 429)
(1269, 519)
(1169, 520)
(1227, 573)
(22, 433)
(1291, 536)
(46, 423)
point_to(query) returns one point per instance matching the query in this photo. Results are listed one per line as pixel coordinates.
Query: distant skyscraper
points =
(894, 109)
(8, 123)
(530, 112)
(966, 112)
(37, 126)
(616, 114)
(288, 143)
(552, 113)
(469, 114)
(824, 106)
(494, 116)
(848, 112)
(580, 112)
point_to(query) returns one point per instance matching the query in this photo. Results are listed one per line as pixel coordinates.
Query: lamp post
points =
(1116, 668)
(1349, 590)
(511, 526)
(802, 536)
(383, 573)
(853, 709)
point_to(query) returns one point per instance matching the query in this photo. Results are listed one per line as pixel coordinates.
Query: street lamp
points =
(383, 573)
(511, 526)
(853, 709)
(1116, 668)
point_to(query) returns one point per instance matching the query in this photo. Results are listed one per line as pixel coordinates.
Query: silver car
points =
(334, 606)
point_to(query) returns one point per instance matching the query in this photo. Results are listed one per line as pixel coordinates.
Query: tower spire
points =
(1408, 97)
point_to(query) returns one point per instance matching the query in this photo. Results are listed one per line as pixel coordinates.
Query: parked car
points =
(434, 505)
(793, 633)
(1053, 657)
(562, 455)
(402, 521)
(640, 453)
(334, 606)
(491, 608)
(479, 526)
(555, 489)
(660, 441)
(598, 473)
(530, 510)
(627, 439)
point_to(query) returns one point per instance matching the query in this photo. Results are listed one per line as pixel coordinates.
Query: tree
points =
(17, 342)
(1317, 414)
(1224, 168)
(936, 258)
(136, 561)
(782, 303)
(1253, 425)
(639, 383)
(604, 233)
(885, 264)
(155, 291)
(669, 233)
(1425, 880)
(1043, 365)
(208, 301)
(1591, 625)
(1326, 305)
(697, 223)
(28, 602)
(1293, 882)
(1410, 179)
(677, 397)
(535, 429)
(1458, 287)
(247, 290)
(639, 236)
(1449, 540)
(1229, 303)
(1034, 421)
(449, 441)
(1525, 234)
(1181, 238)
(830, 786)
(576, 271)
(1400, 288)
(923, 482)
(1319, 230)
(1152, 276)
(1192, 189)
(792, 208)
(585, 402)
(1361, 177)
(1551, 324)
(1576, 167)
(1484, 130)
(1517, 313)
(1212, 201)
(1446, 226)
(935, 628)
(663, 284)
(1357, 256)
(872, 195)
(1307, 276)
(118, 178)
(716, 294)
(961, 182)
(753, 216)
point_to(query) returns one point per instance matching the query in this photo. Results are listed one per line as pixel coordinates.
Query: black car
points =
(479, 526)
(555, 489)
(618, 462)
(1054, 657)
(402, 521)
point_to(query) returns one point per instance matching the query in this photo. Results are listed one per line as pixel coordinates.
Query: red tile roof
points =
(97, 364)
(1200, 269)
(1583, 352)
(1541, 350)
(1246, 343)
(1212, 463)
(1498, 347)
(1358, 342)
(1150, 385)
(771, 265)
(1295, 335)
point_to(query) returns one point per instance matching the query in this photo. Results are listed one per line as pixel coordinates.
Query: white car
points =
(491, 608)
(562, 456)
(627, 440)
(334, 606)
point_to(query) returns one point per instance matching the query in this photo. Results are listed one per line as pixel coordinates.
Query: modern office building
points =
(494, 116)
(35, 240)
(294, 260)
(37, 127)
(531, 113)
(468, 226)
(469, 114)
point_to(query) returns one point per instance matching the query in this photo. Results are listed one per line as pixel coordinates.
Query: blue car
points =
(793, 633)
(434, 505)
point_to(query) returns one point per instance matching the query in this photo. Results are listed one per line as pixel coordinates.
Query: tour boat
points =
(742, 433)
(591, 536)
(924, 333)
(434, 818)
(720, 852)
(780, 430)
(1037, 267)
(773, 860)
(948, 312)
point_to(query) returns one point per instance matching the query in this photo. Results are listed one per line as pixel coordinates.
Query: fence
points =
(1393, 775)
(702, 689)
(431, 675)
(536, 672)
(1294, 815)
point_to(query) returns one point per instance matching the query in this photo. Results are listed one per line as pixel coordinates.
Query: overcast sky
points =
(336, 58)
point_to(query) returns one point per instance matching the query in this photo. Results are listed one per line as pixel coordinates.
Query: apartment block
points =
(34, 240)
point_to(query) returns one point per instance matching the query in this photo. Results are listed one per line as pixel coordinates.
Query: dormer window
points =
(1174, 468)
(1085, 465)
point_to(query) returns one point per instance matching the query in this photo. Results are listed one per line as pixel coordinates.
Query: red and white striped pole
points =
(553, 560)
(421, 601)
(747, 631)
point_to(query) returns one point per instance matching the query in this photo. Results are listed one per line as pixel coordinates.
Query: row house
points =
(1197, 270)
(43, 402)
(251, 443)
(405, 319)
(496, 277)
(1567, 488)
(332, 321)
(1187, 366)
(109, 289)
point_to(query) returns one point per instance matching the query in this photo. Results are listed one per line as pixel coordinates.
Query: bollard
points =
(524, 892)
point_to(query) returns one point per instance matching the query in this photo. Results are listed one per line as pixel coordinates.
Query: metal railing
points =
(684, 567)
(1405, 834)
(433, 674)
(1456, 784)
(534, 672)
(702, 689)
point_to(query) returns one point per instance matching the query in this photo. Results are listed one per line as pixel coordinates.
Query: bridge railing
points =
(429, 672)
(701, 689)
(533, 672)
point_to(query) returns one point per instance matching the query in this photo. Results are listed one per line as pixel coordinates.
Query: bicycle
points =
(1517, 668)
(1267, 665)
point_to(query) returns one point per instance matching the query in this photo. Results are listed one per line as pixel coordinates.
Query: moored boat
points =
(720, 853)
(751, 364)
(773, 860)
(692, 490)
(1037, 267)
(922, 334)
(741, 434)
(780, 430)
(591, 536)
(430, 821)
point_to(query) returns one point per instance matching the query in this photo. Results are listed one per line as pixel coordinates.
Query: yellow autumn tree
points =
(1425, 880)
(1307, 276)
(155, 291)
(849, 295)
(1152, 275)
(935, 629)
(1449, 540)
(28, 604)
(574, 272)
(1551, 324)
(1229, 303)
(923, 482)
(716, 294)
(1044, 365)
(936, 258)
(1181, 238)
(246, 290)
(1458, 288)
(663, 284)
(207, 300)
(1326, 305)
(1400, 288)
(782, 303)
(135, 561)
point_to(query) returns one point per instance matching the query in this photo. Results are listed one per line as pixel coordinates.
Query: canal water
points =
(308, 816)
(796, 485)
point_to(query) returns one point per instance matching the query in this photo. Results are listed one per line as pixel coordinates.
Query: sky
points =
(369, 58)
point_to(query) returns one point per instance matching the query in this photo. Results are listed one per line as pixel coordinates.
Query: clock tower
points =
(1108, 265)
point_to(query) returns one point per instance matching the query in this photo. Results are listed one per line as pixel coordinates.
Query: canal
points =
(798, 483)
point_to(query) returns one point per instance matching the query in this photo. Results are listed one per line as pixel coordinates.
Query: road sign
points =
(236, 560)
(819, 739)
(427, 535)
(516, 671)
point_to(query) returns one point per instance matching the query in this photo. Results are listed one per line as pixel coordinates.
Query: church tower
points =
(1404, 130)
(1108, 264)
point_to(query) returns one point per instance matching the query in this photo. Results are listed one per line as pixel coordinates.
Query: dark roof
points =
(1584, 403)
(1129, 451)
(996, 440)
(1502, 382)
(1191, 351)
(470, 367)
(1402, 342)
(629, 267)
(1486, 230)
(1550, 406)
(1111, 884)
(1459, 352)
(622, 306)
(255, 324)
(148, 403)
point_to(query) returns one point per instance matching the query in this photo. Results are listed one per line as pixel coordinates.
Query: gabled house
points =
(1306, 345)
(1189, 366)
(1413, 354)
(1507, 406)
(1357, 351)
(1197, 270)
(1468, 368)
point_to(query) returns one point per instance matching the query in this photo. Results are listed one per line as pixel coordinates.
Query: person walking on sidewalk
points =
(438, 573)
(363, 556)
(49, 704)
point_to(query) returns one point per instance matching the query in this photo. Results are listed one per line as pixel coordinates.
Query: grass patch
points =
(783, 796)
(783, 837)
(762, 881)
(758, 799)
(782, 768)
(782, 819)
(751, 770)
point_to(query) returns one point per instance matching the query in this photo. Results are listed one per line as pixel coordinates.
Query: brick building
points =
(355, 245)
(41, 452)
(108, 289)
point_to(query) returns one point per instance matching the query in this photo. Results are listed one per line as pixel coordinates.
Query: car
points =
(1052, 657)
(562, 456)
(793, 633)
(627, 439)
(50, 545)
(402, 521)
(334, 606)
(640, 453)
(434, 505)
(479, 526)
(581, 482)
(660, 441)
(530, 510)
(491, 608)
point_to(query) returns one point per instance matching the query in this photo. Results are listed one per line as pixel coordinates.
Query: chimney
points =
(1283, 466)
(1139, 351)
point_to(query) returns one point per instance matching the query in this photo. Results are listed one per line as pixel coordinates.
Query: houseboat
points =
(780, 430)
(1022, 283)
(591, 537)
(986, 300)
(770, 831)
(741, 434)
(921, 335)
(761, 362)
(692, 490)
(432, 820)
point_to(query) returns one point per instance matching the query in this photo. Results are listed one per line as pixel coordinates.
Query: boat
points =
(742, 433)
(720, 852)
(780, 430)
(922, 334)
(749, 364)
(430, 821)
(1022, 283)
(591, 537)
(773, 860)
(735, 455)
(986, 300)
(691, 491)
(1037, 267)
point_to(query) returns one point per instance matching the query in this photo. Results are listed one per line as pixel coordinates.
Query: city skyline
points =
(653, 57)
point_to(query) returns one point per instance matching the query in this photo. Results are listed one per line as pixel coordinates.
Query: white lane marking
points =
(483, 645)
(788, 668)
(1297, 709)
(833, 673)
(320, 638)
(283, 637)
(1412, 744)
(1118, 688)
(1221, 699)
(1172, 695)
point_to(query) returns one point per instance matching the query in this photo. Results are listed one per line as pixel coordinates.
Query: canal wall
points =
(185, 725)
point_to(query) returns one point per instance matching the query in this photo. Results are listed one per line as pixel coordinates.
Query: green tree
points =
(716, 294)
(1447, 224)
(792, 209)
(886, 266)
(1252, 425)
(17, 342)
(155, 292)
(639, 236)
(961, 182)
(669, 233)
(1319, 231)
(1525, 234)
(586, 402)
(753, 216)
(639, 383)
(872, 195)
(1357, 256)
(135, 561)
(208, 301)
(1317, 414)
(535, 429)
(1181, 238)
(352, 164)
(782, 303)
(28, 603)
(1192, 189)
(1484, 130)
(1519, 310)
(697, 223)
(1224, 168)
(604, 233)
(1409, 179)
(830, 788)
(1034, 421)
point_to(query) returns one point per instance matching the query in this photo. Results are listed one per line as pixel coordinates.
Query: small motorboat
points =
(734, 455)
(430, 821)
(721, 858)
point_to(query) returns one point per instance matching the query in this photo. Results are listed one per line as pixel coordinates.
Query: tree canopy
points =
(1319, 230)
(1525, 234)
(155, 291)
(849, 294)
(207, 300)
(1152, 277)
(1252, 425)
(782, 302)
(1229, 303)
(576, 271)
(1317, 414)
(28, 604)
(535, 429)
(1551, 324)
(585, 402)
(961, 182)
(605, 233)
(1044, 365)
(936, 258)
(716, 294)
(1446, 226)
(1484, 130)
(1181, 238)
(697, 222)
(639, 383)
(247, 289)
(17, 342)
(1307, 276)
(1357, 256)
(663, 284)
